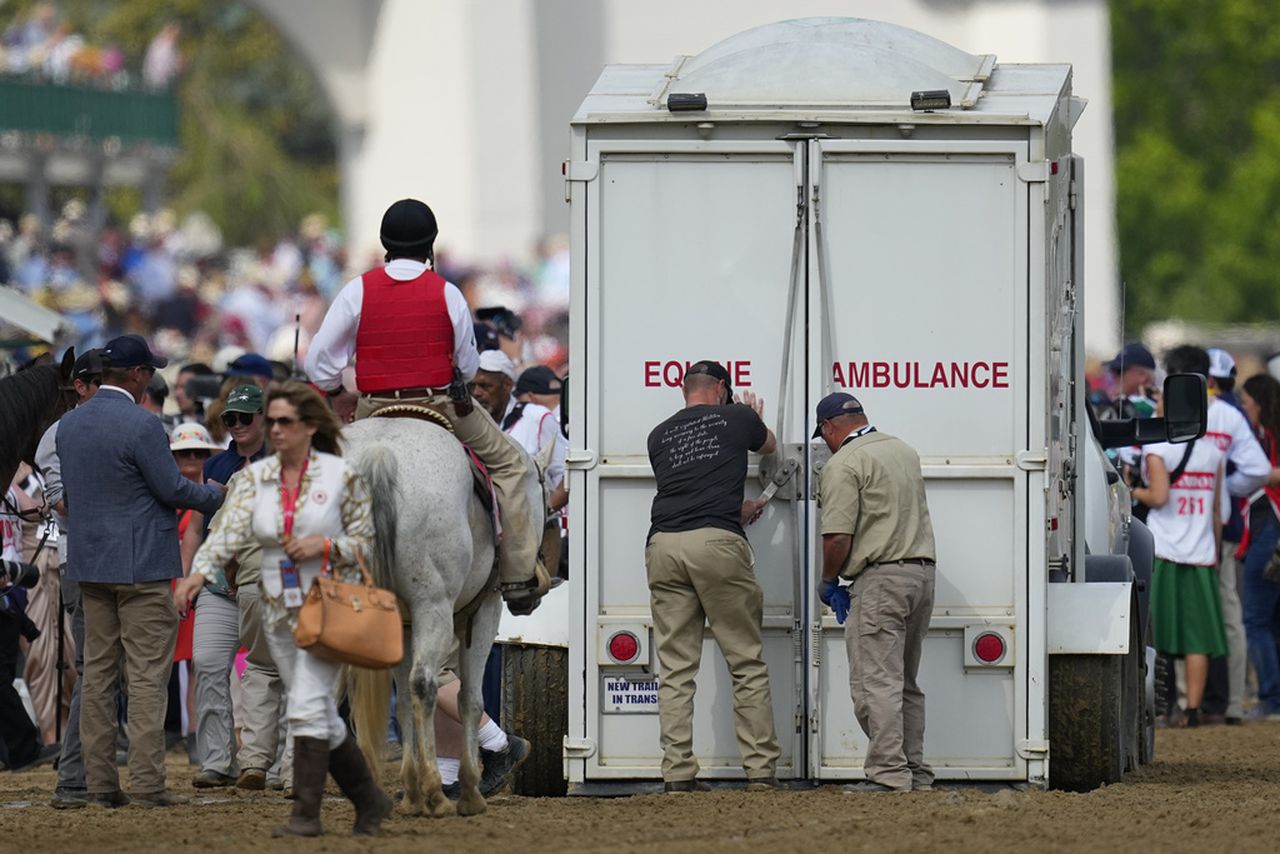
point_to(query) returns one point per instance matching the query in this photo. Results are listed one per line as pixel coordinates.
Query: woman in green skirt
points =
(1184, 493)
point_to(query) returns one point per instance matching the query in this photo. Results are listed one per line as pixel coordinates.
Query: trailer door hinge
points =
(579, 748)
(1031, 460)
(1033, 749)
(1034, 171)
(580, 458)
(580, 170)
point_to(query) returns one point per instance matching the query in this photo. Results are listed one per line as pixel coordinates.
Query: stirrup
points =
(522, 597)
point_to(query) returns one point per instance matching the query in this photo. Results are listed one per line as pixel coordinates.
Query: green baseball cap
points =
(244, 398)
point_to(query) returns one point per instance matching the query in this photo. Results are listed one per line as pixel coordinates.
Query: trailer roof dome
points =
(826, 62)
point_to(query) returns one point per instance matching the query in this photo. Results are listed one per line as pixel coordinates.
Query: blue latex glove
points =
(836, 598)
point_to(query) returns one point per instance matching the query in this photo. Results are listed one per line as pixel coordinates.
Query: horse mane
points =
(26, 399)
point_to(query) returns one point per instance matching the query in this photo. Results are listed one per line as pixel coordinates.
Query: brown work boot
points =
(523, 597)
(310, 768)
(347, 765)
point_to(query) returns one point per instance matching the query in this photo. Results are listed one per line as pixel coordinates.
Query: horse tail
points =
(369, 694)
(378, 465)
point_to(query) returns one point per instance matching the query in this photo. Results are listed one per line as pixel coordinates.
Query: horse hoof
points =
(442, 808)
(471, 803)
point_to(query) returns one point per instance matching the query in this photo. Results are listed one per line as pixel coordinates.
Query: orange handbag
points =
(351, 623)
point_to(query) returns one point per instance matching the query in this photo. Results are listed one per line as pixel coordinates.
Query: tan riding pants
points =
(884, 635)
(139, 621)
(41, 669)
(707, 576)
(507, 468)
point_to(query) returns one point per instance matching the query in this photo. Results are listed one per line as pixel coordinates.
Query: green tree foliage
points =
(1197, 119)
(257, 151)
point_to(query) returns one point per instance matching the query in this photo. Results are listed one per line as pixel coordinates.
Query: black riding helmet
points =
(409, 230)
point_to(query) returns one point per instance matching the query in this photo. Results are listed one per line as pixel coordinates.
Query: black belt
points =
(402, 393)
(922, 561)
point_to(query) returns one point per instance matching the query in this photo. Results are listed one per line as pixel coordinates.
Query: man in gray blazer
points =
(122, 489)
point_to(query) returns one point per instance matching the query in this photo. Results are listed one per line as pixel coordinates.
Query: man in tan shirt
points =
(876, 534)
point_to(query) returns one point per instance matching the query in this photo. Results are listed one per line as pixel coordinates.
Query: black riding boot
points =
(347, 765)
(310, 768)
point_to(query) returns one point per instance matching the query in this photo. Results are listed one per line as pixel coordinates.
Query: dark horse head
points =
(30, 400)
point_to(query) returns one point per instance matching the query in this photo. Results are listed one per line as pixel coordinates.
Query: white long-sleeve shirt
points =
(334, 344)
(536, 429)
(1230, 431)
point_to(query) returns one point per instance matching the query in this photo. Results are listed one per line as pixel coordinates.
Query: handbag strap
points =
(326, 572)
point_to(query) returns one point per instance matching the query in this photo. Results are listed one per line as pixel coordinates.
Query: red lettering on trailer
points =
(978, 374)
(670, 372)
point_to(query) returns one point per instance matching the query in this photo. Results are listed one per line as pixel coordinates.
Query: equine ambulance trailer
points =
(778, 204)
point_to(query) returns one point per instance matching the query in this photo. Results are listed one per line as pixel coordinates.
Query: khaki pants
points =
(264, 695)
(508, 470)
(1233, 622)
(139, 621)
(884, 635)
(707, 575)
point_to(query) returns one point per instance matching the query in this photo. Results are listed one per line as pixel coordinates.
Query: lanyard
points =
(289, 499)
(862, 431)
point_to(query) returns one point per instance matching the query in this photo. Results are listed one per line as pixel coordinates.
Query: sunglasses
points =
(285, 421)
(191, 453)
(244, 419)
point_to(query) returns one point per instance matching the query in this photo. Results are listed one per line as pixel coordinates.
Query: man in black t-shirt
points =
(700, 566)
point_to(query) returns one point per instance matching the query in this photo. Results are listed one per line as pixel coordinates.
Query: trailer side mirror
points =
(1186, 407)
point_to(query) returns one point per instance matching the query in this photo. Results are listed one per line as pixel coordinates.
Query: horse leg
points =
(431, 640)
(471, 663)
(409, 778)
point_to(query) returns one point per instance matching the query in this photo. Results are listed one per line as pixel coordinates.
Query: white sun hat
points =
(190, 436)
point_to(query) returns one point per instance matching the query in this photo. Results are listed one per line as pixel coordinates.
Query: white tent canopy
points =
(18, 311)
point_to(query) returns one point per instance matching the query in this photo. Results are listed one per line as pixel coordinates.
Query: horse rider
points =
(413, 339)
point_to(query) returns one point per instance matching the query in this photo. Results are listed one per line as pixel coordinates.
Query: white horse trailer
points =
(779, 204)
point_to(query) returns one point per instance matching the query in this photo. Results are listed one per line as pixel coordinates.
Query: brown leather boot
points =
(310, 768)
(347, 765)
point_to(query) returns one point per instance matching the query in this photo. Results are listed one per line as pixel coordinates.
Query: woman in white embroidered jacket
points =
(307, 508)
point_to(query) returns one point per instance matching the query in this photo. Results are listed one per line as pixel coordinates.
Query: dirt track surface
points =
(1212, 789)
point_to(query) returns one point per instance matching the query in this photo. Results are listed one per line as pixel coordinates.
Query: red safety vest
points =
(405, 336)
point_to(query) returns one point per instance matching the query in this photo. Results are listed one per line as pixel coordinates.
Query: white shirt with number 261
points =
(1183, 527)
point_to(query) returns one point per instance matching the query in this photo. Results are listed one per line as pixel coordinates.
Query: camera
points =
(502, 319)
(203, 387)
(17, 574)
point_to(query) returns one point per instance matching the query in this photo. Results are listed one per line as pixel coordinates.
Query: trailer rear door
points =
(689, 258)
(921, 272)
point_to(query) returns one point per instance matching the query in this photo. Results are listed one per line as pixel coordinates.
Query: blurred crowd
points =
(44, 46)
(172, 281)
(1212, 506)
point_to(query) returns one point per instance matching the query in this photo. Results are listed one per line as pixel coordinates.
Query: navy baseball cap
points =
(130, 351)
(1133, 355)
(715, 370)
(88, 365)
(833, 406)
(538, 380)
(251, 365)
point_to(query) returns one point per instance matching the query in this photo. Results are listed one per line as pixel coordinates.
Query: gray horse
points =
(435, 548)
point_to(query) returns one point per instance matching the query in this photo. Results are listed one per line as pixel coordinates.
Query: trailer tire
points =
(1086, 721)
(1150, 661)
(1135, 697)
(535, 705)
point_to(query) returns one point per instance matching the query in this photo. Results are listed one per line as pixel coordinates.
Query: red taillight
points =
(624, 647)
(988, 648)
